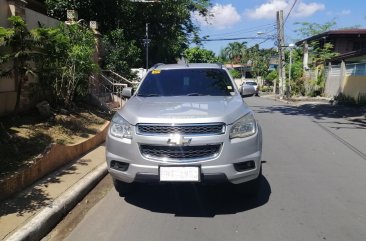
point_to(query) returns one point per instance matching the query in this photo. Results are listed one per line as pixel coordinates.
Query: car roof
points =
(187, 66)
(250, 81)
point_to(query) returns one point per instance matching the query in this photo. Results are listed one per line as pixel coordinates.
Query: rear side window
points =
(191, 82)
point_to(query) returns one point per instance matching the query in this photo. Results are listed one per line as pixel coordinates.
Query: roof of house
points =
(359, 55)
(336, 33)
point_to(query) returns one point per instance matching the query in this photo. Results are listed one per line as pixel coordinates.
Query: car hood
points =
(184, 109)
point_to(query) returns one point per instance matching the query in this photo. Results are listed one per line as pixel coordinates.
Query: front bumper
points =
(215, 169)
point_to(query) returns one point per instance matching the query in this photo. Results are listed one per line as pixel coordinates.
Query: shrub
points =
(361, 99)
(265, 88)
(345, 99)
(66, 62)
(272, 75)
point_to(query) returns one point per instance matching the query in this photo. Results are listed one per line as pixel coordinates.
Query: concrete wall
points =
(7, 85)
(4, 13)
(32, 18)
(334, 79)
(354, 85)
(348, 79)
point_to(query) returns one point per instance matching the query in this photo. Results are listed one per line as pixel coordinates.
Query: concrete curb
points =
(56, 157)
(45, 220)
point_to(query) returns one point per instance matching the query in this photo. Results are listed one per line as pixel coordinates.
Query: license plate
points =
(179, 174)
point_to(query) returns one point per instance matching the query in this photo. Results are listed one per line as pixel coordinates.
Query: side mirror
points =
(127, 92)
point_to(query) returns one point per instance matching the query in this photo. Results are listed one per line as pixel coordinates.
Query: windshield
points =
(251, 83)
(189, 82)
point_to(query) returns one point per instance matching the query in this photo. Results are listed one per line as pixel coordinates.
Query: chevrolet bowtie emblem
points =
(179, 140)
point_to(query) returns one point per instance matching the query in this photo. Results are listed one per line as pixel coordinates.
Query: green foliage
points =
(349, 100)
(321, 53)
(5, 33)
(234, 52)
(235, 74)
(296, 82)
(266, 88)
(361, 99)
(308, 29)
(171, 28)
(254, 57)
(259, 59)
(19, 41)
(120, 55)
(272, 75)
(66, 62)
(345, 99)
(199, 55)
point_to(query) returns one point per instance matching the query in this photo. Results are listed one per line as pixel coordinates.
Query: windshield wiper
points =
(148, 95)
(195, 94)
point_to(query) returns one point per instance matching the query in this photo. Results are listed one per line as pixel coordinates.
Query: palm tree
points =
(233, 51)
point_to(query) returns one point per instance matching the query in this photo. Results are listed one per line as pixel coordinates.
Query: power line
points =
(238, 38)
(251, 29)
(293, 5)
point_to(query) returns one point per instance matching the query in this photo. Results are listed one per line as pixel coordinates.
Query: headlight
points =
(120, 127)
(245, 126)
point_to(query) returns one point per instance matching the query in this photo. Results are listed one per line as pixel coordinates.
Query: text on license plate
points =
(179, 174)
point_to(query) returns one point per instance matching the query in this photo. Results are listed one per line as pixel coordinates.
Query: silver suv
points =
(185, 123)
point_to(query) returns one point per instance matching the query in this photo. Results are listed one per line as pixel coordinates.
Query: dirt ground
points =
(25, 136)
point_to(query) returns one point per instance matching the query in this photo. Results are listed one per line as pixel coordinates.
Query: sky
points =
(246, 18)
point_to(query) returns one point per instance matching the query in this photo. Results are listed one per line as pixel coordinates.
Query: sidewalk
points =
(32, 213)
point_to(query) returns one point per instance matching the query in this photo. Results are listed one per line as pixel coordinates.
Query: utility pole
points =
(146, 43)
(281, 53)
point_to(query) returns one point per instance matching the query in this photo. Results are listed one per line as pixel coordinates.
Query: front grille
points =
(180, 152)
(195, 129)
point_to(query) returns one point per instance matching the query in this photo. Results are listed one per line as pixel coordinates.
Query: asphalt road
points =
(313, 188)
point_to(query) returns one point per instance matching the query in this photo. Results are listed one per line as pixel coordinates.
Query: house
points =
(345, 73)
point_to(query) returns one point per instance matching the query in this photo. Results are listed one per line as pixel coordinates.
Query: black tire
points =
(250, 188)
(123, 188)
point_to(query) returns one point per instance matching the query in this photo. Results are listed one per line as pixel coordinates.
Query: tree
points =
(199, 55)
(259, 60)
(171, 28)
(233, 51)
(120, 54)
(20, 42)
(308, 29)
(321, 52)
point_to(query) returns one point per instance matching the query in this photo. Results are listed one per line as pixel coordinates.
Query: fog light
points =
(244, 166)
(120, 166)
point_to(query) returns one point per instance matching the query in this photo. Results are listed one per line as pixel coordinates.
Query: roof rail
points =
(157, 65)
(220, 65)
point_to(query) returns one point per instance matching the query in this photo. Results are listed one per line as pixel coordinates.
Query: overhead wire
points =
(289, 13)
(251, 29)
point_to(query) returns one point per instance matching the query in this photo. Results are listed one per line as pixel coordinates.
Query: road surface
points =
(313, 188)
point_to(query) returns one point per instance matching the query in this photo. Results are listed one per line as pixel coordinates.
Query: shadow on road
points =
(193, 200)
(354, 115)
